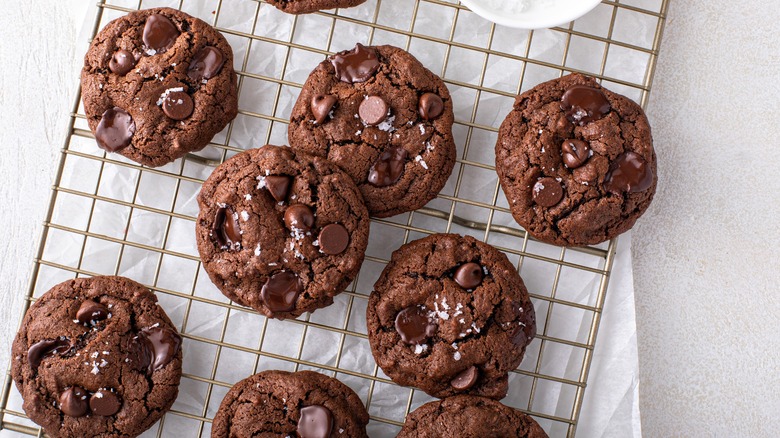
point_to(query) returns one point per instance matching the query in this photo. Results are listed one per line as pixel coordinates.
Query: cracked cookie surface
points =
(307, 6)
(158, 84)
(578, 168)
(279, 403)
(465, 416)
(450, 315)
(400, 158)
(97, 357)
(281, 231)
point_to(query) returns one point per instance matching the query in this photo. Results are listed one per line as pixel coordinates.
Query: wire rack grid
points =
(110, 216)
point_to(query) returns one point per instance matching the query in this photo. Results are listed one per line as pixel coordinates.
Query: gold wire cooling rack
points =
(109, 216)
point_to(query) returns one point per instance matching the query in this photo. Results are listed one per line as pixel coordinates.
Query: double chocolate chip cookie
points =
(450, 315)
(282, 404)
(307, 6)
(97, 357)
(158, 84)
(281, 231)
(383, 118)
(576, 162)
(465, 416)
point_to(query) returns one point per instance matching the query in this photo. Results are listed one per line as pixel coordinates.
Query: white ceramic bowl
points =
(538, 14)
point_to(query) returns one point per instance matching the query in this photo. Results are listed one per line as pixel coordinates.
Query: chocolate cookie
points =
(283, 404)
(450, 315)
(158, 84)
(307, 6)
(97, 357)
(466, 416)
(383, 118)
(576, 162)
(281, 231)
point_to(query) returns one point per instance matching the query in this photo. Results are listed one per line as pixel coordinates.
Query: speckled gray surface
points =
(706, 252)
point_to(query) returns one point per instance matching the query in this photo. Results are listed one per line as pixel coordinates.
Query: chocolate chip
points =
(178, 105)
(115, 129)
(121, 62)
(159, 33)
(316, 422)
(414, 325)
(583, 104)
(519, 338)
(91, 312)
(469, 275)
(46, 348)
(373, 110)
(164, 345)
(430, 106)
(281, 291)
(321, 105)
(574, 153)
(73, 402)
(299, 217)
(278, 186)
(104, 403)
(226, 230)
(356, 65)
(334, 239)
(628, 173)
(547, 192)
(205, 64)
(388, 167)
(465, 379)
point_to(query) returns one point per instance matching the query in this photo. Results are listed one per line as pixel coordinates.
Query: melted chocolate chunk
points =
(321, 106)
(164, 345)
(281, 291)
(178, 105)
(388, 167)
(574, 153)
(205, 64)
(356, 65)
(414, 325)
(431, 106)
(278, 186)
(547, 192)
(226, 230)
(628, 173)
(104, 403)
(140, 353)
(316, 422)
(299, 217)
(334, 239)
(73, 402)
(583, 104)
(159, 33)
(373, 110)
(469, 275)
(121, 62)
(46, 348)
(91, 312)
(465, 379)
(115, 130)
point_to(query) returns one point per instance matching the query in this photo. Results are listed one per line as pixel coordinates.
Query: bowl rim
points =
(525, 22)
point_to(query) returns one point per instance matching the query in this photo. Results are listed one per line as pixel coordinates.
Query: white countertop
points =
(705, 254)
